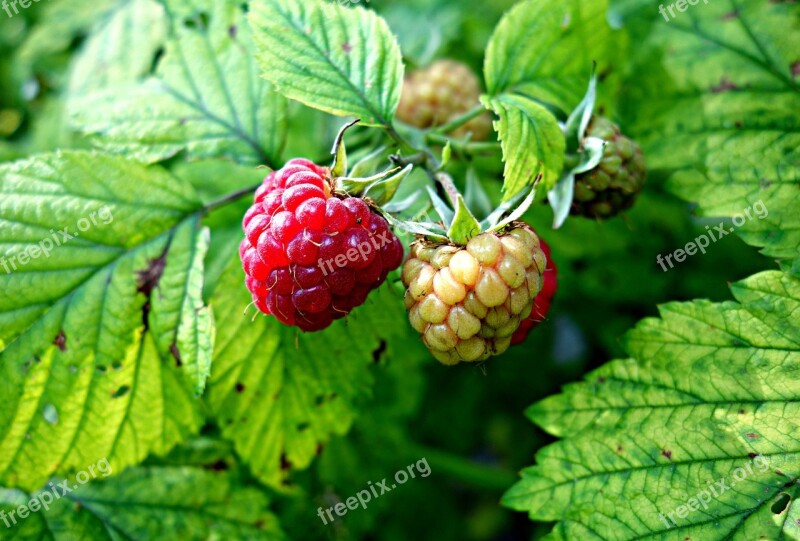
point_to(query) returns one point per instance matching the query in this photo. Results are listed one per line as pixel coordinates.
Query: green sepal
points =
(562, 194)
(403, 205)
(578, 121)
(586, 151)
(372, 162)
(445, 213)
(339, 151)
(465, 225)
(591, 154)
(475, 195)
(382, 191)
(520, 210)
(360, 186)
(560, 198)
(504, 208)
(428, 230)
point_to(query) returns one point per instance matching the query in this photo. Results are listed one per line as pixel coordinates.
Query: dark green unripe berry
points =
(616, 182)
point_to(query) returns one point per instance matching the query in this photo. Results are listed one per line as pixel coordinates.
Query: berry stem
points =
(460, 121)
(449, 187)
(423, 157)
(464, 148)
(228, 199)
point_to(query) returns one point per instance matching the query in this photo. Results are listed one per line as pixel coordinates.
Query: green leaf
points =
(348, 462)
(711, 394)
(59, 24)
(717, 103)
(344, 61)
(121, 49)
(183, 326)
(206, 97)
(279, 394)
(545, 50)
(532, 140)
(150, 502)
(89, 327)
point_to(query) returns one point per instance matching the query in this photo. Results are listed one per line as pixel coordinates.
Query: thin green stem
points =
(228, 199)
(399, 140)
(470, 473)
(457, 122)
(464, 147)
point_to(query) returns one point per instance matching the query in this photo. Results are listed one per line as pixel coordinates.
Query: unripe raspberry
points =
(467, 301)
(311, 255)
(441, 93)
(614, 184)
(542, 302)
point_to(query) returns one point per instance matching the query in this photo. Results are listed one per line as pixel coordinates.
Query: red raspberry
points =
(310, 256)
(541, 305)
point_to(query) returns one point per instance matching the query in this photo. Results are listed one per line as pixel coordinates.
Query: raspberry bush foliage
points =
(259, 256)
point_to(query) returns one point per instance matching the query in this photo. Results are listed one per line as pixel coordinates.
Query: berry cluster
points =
(541, 305)
(467, 302)
(614, 184)
(440, 93)
(311, 255)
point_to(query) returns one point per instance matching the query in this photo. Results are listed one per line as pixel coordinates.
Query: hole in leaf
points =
(781, 504)
(50, 414)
